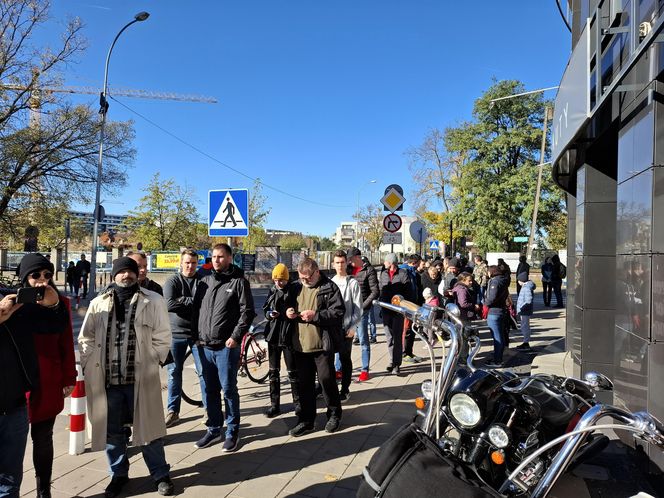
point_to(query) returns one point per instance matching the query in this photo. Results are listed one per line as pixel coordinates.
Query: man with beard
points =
(126, 334)
(319, 313)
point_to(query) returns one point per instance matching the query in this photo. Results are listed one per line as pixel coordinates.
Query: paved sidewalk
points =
(270, 463)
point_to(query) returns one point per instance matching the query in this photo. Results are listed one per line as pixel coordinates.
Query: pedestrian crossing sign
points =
(228, 213)
(434, 245)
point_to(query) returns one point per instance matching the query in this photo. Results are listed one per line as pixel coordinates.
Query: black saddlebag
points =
(411, 465)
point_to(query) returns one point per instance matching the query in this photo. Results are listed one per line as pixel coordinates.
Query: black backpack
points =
(411, 464)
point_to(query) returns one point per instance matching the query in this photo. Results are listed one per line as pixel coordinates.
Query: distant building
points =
(113, 222)
(344, 235)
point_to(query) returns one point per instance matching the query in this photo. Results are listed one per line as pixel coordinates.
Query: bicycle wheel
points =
(256, 362)
(191, 385)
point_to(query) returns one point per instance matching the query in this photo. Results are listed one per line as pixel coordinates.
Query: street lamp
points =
(103, 109)
(547, 116)
(358, 209)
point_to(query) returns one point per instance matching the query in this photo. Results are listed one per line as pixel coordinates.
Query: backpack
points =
(563, 271)
(411, 464)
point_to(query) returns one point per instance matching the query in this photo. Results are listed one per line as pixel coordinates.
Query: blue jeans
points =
(220, 372)
(372, 324)
(13, 438)
(179, 350)
(363, 336)
(495, 323)
(120, 401)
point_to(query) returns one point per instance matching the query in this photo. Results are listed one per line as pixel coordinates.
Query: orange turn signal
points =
(396, 300)
(420, 403)
(498, 457)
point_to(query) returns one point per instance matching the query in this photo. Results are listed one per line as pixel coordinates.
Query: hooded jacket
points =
(279, 330)
(524, 305)
(368, 280)
(465, 299)
(223, 308)
(497, 293)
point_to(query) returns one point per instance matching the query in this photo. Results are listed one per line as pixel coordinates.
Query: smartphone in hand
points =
(29, 295)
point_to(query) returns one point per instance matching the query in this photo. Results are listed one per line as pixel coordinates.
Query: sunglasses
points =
(38, 274)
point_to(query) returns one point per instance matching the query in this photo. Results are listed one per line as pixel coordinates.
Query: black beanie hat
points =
(33, 262)
(124, 263)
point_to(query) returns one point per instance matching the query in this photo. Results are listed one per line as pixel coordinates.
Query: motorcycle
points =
(501, 426)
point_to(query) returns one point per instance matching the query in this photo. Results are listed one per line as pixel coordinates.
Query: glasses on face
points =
(38, 274)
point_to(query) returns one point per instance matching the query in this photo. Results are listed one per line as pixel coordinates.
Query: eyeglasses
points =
(38, 274)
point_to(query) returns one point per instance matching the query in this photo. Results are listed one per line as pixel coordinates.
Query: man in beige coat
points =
(125, 336)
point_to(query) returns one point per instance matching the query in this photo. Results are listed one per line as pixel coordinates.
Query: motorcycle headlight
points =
(427, 389)
(464, 409)
(498, 436)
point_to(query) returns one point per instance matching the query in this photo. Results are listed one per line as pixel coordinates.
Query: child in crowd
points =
(524, 307)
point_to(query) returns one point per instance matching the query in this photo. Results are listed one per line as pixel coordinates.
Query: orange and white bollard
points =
(77, 415)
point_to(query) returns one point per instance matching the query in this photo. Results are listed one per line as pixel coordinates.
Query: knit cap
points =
(33, 262)
(124, 263)
(280, 272)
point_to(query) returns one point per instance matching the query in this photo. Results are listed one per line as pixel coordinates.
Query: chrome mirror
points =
(598, 382)
(453, 310)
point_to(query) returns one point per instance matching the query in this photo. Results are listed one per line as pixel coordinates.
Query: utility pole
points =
(533, 225)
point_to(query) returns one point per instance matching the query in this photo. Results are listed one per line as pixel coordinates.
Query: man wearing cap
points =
(365, 274)
(394, 281)
(126, 334)
(279, 336)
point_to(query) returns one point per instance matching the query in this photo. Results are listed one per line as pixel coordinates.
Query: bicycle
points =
(254, 363)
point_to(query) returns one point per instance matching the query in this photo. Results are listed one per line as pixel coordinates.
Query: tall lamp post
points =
(103, 109)
(547, 115)
(358, 209)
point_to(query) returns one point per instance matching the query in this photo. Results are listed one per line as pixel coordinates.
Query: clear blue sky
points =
(315, 97)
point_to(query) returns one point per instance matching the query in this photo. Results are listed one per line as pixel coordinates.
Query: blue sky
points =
(316, 98)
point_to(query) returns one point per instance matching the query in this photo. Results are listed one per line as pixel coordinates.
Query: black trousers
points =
(346, 364)
(393, 334)
(409, 341)
(274, 356)
(557, 290)
(308, 365)
(42, 450)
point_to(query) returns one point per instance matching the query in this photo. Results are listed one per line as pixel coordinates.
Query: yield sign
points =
(392, 200)
(392, 222)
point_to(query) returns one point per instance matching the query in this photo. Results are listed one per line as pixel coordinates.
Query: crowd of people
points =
(134, 327)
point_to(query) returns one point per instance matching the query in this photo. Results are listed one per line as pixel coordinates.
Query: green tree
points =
(493, 194)
(166, 218)
(54, 153)
(370, 220)
(258, 213)
(292, 242)
(556, 237)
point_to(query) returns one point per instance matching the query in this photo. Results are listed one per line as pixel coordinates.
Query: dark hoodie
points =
(496, 294)
(223, 308)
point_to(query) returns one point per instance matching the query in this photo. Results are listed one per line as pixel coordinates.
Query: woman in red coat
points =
(57, 370)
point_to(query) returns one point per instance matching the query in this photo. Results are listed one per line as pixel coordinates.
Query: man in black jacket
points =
(319, 314)
(393, 281)
(19, 372)
(223, 312)
(142, 261)
(83, 270)
(179, 292)
(365, 274)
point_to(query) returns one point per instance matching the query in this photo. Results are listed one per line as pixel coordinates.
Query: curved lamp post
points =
(103, 109)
